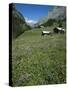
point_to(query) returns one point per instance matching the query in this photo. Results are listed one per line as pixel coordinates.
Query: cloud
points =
(29, 21)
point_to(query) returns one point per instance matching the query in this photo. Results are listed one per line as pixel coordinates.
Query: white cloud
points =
(29, 21)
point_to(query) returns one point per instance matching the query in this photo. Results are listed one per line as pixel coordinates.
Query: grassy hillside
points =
(38, 60)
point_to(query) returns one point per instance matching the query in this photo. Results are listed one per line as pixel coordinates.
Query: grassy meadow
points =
(38, 60)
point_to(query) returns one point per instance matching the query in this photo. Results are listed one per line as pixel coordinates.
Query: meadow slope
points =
(38, 60)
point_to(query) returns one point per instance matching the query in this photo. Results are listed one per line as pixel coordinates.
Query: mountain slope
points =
(58, 13)
(18, 22)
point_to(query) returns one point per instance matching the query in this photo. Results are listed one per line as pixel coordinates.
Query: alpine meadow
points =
(38, 44)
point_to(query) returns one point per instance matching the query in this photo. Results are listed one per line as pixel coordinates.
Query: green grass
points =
(38, 60)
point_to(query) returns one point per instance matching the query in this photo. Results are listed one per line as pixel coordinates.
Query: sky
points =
(33, 13)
